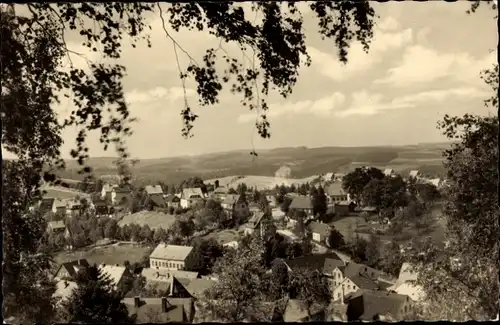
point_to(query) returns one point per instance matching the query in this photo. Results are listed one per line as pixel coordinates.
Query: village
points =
(307, 227)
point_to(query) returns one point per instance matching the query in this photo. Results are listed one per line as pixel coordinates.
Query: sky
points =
(424, 62)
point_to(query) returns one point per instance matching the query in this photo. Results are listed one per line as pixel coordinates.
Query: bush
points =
(179, 211)
(171, 210)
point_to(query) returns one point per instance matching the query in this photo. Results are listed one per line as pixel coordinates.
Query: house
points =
(343, 208)
(46, 205)
(338, 177)
(121, 195)
(231, 244)
(157, 201)
(68, 270)
(160, 310)
(255, 224)
(319, 231)
(389, 172)
(172, 257)
(236, 204)
(302, 203)
(220, 193)
(116, 273)
(254, 207)
(161, 279)
(173, 201)
(197, 287)
(296, 311)
(69, 233)
(56, 227)
(328, 177)
(352, 284)
(100, 207)
(153, 189)
(414, 174)
(74, 208)
(106, 192)
(64, 289)
(314, 262)
(369, 305)
(335, 193)
(333, 269)
(406, 284)
(271, 199)
(190, 196)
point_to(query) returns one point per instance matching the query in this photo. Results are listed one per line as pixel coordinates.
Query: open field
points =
(111, 254)
(304, 162)
(62, 193)
(224, 236)
(151, 218)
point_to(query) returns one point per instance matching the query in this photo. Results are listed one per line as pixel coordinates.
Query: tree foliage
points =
(355, 181)
(95, 301)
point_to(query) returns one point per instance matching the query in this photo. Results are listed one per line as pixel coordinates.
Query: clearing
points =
(110, 254)
(151, 218)
(260, 182)
(224, 236)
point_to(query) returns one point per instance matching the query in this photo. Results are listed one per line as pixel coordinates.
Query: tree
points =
(319, 202)
(111, 229)
(285, 206)
(373, 251)
(279, 281)
(355, 181)
(146, 234)
(94, 301)
(238, 293)
(160, 235)
(184, 228)
(310, 288)
(466, 275)
(231, 191)
(385, 193)
(242, 188)
(205, 254)
(335, 239)
(194, 182)
(428, 193)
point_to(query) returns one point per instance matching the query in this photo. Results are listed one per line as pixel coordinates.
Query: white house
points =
(172, 257)
(190, 196)
(405, 285)
(389, 172)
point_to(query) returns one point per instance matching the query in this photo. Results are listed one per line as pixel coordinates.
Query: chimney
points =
(137, 301)
(164, 304)
(66, 284)
(157, 274)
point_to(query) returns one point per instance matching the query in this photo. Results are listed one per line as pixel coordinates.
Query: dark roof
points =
(122, 189)
(379, 303)
(331, 264)
(46, 204)
(158, 200)
(172, 198)
(256, 219)
(311, 262)
(301, 202)
(355, 269)
(150, 310)
(319, 228)
(99, 202)
(71, 266)
(363, 282)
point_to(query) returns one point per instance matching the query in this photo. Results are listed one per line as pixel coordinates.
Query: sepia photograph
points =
(249, 161)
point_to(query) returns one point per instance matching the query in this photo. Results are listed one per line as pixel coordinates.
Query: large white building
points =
(171, 257)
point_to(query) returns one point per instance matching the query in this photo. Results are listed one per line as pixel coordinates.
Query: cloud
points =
(364, 104)
(422, 64)
(323, 107)
(388, 24)
(159, 93)
(359, 61)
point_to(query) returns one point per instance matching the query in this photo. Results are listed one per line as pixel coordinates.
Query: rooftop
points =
(160, 310)
(171, 252)
(301, 202)
(64, 289)
(194, 192)
(335, 189)
(153, 189)
(331, 264)
(158, 275)
(319, 228)
(114, 272)
(56, 224)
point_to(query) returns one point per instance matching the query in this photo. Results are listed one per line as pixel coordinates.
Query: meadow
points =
(151, 218)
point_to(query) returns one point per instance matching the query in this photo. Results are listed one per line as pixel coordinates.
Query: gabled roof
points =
(231, 199)
(256, 219)
(301, 202)
(335, 189)
(296, 311)
(59, 203)
(158, 275)
(114, 272)
(380, 303)
(311, 262)
(221, 190)
(191, 193)
(150, 310)
(108, 187)
(197, 287)
(172, 198)
(73, 267)
(355, 269)
(153, 189)
(319, 228)
(363, 282)
(331, 264)
(122, 189)
(56, 224)
(158, 200)
(388, 171)
(171, 252)
(413, 173)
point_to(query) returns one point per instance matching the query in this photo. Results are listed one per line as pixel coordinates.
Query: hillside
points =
(303, 162)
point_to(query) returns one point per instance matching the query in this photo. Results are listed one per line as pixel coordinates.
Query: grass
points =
(224, 236)
(151, 218)
(111, 254)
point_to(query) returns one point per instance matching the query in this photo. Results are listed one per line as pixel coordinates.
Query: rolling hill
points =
(304, 162)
